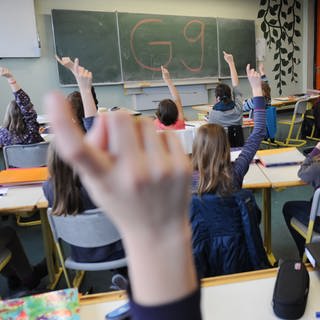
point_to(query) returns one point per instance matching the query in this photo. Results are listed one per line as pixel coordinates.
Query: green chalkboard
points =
(93, 38)
(120, 47)
(186, 45)
(238, 38)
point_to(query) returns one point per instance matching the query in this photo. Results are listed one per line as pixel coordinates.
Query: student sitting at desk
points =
(20, 124)
(215, 175)
(227, 112)
(310, 173)
(170, 113)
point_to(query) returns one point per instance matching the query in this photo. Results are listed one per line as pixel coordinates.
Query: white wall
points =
(39, 75)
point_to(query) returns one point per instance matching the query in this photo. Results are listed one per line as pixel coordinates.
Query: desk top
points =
(282, 102)
(239, 296)
(255, 179)
(282, 176)
(21, 198)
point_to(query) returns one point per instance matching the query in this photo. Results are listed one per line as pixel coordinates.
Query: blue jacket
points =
(225, 234)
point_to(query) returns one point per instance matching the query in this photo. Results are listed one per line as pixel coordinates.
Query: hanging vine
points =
(280, 29)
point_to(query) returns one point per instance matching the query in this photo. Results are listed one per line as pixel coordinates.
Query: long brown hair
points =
(13, 119)
(66, 185)
(77, 107)
(266, 91)
(211, 158)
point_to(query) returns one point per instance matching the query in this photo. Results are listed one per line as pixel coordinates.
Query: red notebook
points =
(23, 176)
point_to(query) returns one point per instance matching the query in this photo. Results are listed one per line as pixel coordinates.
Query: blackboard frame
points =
(150, 82)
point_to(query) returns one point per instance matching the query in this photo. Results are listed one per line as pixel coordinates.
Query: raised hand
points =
(254, 80)
(228, 57)
(165, 74)
(127, 168)
(261, 69)
(82, 75)
(142, 180)
(5, 72)
(66, 62)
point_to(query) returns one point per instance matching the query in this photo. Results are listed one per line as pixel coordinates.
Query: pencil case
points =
(291, 290)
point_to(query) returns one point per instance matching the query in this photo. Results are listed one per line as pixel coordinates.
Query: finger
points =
(179, 160)
(123, 135)
(98, 134)
(73, 149)
(154, 148)
(76, 64)
(58, 59)
(248, 69)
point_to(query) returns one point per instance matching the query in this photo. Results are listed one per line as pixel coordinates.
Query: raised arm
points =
(84, 80)
(174, 92)
(5, 72)
(232, 67)
(241, 165)
(131, 173)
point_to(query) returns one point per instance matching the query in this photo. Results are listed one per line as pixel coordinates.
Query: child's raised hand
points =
(228, 57)
(83, 76)
(5, 72)
(140, 179)
(66, 62)
(261, 69)
(254, 80)
(165, 74)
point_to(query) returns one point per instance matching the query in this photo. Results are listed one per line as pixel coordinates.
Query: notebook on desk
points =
(11, 177)
(56, 305)
(280, 157)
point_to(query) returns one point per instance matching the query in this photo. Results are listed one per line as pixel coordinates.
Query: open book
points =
(280, 157)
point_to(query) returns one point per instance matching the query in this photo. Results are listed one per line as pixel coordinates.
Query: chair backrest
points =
(315, 207)
(300, 108)
(225, 234)
(26, 155)
(89, 229)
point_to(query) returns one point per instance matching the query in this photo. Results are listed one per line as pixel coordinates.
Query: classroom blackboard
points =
(93, 38)
(237, 37)
(121, 47)
(186, 45)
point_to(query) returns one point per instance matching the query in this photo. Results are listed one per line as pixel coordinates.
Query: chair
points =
(294, 122)
(5, 256)
(26, 155)
(88, 229)
(225, 234)
(307, 231)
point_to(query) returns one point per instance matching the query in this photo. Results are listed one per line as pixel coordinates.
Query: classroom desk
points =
(244, 296)
(282, 102)
(27, 198)
(278, 177)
